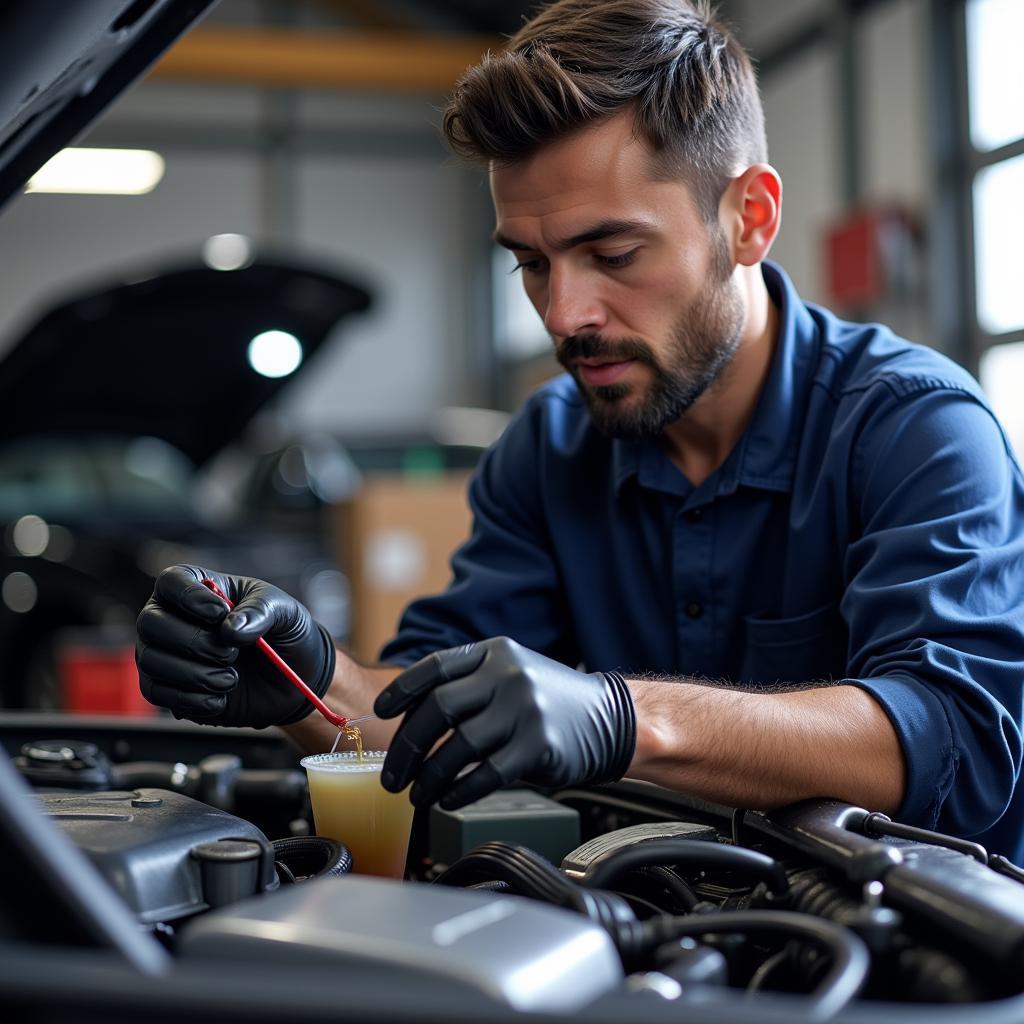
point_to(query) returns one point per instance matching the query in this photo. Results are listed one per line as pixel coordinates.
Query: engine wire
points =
(850, 959)
(671, 881)
(761, 975)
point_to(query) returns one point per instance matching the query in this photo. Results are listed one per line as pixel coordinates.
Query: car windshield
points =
(71, 477)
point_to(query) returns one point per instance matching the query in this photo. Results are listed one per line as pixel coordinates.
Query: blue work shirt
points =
(868, 528)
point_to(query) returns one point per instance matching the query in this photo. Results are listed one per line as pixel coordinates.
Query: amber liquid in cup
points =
(350, 805)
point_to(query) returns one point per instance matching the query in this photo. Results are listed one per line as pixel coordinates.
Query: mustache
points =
(593, 346)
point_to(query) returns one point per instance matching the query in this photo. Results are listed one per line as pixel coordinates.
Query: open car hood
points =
(166, 356)
(61, 70)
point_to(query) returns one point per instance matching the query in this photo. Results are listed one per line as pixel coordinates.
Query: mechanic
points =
(743, 549)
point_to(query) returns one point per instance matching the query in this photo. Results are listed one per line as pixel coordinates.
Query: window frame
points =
(959, 163)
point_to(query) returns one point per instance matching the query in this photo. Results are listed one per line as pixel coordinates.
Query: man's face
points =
(633, 286)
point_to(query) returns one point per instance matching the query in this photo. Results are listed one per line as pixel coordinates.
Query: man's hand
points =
(519, 714)
(197, 658)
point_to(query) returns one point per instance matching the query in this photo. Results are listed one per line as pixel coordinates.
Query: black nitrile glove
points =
(197, 658)
(518, 713)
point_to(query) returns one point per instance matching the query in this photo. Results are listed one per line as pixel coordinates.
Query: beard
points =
(701, 344)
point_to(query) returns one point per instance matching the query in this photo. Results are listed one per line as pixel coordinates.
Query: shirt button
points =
(695, 609)
(695, 515)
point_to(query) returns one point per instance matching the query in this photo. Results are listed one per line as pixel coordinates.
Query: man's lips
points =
(597, 372)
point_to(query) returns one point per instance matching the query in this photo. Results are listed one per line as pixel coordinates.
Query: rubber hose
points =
(313, 856)
(850, 958)
(692, 852)
(529, 874)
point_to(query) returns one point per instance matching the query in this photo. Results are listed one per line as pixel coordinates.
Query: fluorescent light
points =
(275, 353)
(122, 172)
(227, 252)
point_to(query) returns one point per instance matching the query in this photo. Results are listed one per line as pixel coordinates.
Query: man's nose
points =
(572, 306)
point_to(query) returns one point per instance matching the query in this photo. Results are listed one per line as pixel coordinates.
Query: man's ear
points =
(751, 213)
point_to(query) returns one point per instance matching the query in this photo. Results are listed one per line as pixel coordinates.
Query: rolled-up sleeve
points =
(934, 601)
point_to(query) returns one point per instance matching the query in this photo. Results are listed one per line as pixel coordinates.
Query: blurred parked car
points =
(112, 405)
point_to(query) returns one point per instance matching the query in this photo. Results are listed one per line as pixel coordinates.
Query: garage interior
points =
(300, 195)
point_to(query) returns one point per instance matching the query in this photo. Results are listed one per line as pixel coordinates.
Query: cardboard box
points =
(396, 537)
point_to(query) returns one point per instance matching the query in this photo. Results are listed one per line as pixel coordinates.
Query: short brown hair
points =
(690, 83)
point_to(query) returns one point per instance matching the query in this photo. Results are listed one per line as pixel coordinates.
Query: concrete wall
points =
(799, 104)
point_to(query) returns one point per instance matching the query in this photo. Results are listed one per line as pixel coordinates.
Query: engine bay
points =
(173, 868)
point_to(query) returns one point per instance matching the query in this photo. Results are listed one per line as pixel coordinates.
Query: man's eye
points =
(622, 260)
(533, 266)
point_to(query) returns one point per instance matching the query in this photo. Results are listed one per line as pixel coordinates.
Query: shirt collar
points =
(765, 456)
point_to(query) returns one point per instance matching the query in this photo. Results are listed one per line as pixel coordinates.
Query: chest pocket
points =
(803, 649)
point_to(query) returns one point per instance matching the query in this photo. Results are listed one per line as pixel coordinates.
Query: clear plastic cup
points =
(350, 805)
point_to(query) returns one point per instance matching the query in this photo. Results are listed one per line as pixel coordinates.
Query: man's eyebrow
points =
(606, 229)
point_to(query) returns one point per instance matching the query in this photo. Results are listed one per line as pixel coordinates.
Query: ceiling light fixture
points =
(275, 353)
(227, 252)
(123, 172)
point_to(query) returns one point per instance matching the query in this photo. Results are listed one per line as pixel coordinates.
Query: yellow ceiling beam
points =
(291, 58)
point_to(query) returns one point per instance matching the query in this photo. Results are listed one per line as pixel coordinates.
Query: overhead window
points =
(995, 154)
(998, 258)
(995, 72)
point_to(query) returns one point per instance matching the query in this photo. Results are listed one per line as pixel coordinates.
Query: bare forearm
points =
(763, 750)
(351, 693)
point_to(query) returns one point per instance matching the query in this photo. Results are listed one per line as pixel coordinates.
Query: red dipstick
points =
(339, 721)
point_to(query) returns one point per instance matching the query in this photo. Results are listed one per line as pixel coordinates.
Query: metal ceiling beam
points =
(289, 58)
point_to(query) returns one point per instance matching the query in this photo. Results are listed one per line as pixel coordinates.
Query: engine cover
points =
(158, 849)
(515, 951)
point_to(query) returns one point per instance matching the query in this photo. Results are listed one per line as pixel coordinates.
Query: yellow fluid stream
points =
(353, 733)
